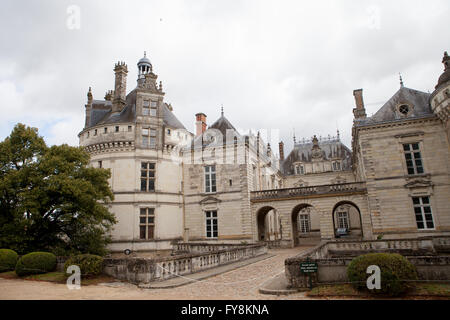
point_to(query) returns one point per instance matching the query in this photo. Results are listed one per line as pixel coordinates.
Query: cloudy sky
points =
(272, 64)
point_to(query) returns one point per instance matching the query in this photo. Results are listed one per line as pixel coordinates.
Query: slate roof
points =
(331, 148)
(418, 100)
(101, 113)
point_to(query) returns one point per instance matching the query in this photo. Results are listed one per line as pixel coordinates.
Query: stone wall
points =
(142, 270)
(429, 255)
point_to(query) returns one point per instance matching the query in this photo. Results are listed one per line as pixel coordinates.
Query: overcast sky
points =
(272, 64)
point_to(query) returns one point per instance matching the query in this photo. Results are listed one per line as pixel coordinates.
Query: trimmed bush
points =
(36, 263)
(396, 271)
(90, 264)
(8, 259)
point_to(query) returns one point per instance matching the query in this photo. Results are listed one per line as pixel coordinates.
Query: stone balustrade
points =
(331, 189)
(145, 270)
(428, 254)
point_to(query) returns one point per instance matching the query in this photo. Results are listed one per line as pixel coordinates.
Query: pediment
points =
(210, 200)
(419, 183)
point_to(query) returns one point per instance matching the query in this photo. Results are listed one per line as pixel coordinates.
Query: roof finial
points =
(401, 80)
(338, 135)
(294, 136)
(222, 110)
(145, 54)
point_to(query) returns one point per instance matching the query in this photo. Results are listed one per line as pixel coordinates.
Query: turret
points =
(440, 98)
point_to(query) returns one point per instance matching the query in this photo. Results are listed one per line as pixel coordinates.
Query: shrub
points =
(8, 260)
(36, 263)
(396, 270)
(90, 265)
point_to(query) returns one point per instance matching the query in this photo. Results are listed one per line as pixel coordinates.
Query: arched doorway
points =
(305, 225)
(269, 224)
(347, 222)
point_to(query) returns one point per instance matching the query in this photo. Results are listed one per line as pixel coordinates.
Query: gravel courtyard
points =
(237, 284)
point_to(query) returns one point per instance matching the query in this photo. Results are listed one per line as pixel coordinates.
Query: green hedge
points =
(35, 263)
(90, 265)
(396, 271)
(8, 259)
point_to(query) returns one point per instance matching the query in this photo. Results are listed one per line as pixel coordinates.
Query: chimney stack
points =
(200, 123)
(281, 148)
(90, 99)
(359, 112)
(120, 87)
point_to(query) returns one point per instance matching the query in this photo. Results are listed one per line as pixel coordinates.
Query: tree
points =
(50, 199)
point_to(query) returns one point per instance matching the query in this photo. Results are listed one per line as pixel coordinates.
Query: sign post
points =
(307, 268)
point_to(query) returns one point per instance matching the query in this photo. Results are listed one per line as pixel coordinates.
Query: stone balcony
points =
(311, 191)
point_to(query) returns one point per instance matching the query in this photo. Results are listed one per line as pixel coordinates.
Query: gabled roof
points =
(209, 139)
(417, 101)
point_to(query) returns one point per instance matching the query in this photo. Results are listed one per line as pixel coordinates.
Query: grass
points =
(57, 277)
(421, 289)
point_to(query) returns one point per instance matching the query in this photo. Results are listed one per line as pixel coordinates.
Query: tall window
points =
(210, 179)
(342, 219)
(413, 158)
(149, 138)
(211, 224)
(422, 210)
(153, 108)
(147, 176)
(304, 223)
(146, 108)
(336, 166)
(147, 223)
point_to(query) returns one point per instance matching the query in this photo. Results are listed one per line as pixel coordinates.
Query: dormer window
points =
(117, 128)
(106, 130)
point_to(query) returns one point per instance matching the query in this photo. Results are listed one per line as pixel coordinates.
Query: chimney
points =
(359, 112)
(200, 123)
(120, 87)
(281, 148)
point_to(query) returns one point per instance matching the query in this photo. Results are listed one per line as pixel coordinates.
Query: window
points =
(231, 182)
(304, 223)
(106, 130)
(100, 164)
(422, 210)
(153, 107)
(147, 223)
(95, 132)
(413, 158)
(117, 128)
(210, 179)
(148, 176)
(146, 108)
(403, 109)
(88, 134)
(130, 128)
(336, 166)
(168, 132)
(211, 224)
(149, 138)
(342, 220)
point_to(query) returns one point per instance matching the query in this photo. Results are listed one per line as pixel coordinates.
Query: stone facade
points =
(222, 186)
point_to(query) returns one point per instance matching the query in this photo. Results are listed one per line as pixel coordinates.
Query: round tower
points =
(440, 98)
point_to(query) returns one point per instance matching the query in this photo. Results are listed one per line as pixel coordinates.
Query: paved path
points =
(239, 284)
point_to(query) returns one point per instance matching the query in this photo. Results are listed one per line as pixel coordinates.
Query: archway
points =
(347, 222)
(305, 225)
(269, 226)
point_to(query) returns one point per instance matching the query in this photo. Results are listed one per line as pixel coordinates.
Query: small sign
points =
(308, 267)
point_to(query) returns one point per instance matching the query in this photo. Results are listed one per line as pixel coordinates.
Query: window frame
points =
(411, 153)
(344, 217)
(147, 215)
(305, 221)
(208, 177)
(213, 217)
(421, 206)
(148, 167)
